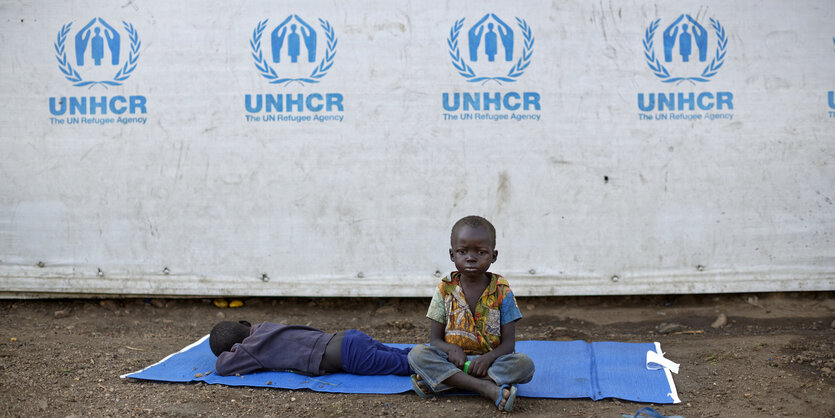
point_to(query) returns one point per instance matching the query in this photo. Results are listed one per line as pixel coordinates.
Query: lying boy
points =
(473, 314)
(243, 348)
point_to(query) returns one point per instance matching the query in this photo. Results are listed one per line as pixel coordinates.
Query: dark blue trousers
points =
(363, 355)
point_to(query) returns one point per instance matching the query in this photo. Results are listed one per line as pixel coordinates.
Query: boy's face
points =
(472, 251)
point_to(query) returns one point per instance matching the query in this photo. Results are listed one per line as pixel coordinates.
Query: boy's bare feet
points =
(501, 403)
(420, 387)
(508, 398)
(502, 396)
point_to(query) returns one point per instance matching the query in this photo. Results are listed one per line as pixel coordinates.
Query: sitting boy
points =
(473, 315)
(243, 348)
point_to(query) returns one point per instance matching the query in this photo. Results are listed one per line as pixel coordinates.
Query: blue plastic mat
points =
(564, 369)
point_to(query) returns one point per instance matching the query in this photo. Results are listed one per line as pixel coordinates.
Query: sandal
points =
(418, 386)
(509, 401)
(650, 413)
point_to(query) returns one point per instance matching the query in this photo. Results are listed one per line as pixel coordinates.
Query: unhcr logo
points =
(491, 51)
(484, 39)
(293, 53)
(685, 42)
(684, 53)
(831, 95)
(293, 46)
(97, 55)
(97, 44)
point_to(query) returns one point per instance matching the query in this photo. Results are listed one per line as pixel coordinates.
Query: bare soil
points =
(774, 356)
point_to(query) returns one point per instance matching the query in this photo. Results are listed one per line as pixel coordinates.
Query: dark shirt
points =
(272, 346)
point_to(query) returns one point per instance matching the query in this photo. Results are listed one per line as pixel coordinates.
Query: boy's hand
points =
(457, 357)
(479, 366)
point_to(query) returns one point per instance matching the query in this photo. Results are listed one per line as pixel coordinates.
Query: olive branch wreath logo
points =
(268, 72)
(710, 70)
(72, 75)
(467, 72)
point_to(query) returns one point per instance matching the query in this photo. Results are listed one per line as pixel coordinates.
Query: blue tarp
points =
(564, 369)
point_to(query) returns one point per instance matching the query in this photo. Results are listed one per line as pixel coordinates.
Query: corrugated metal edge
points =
(26, 281)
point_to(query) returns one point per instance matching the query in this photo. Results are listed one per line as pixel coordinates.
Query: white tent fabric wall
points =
(139, 156)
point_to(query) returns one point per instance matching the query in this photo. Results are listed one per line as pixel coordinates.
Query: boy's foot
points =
(420, 387)
(506, 399)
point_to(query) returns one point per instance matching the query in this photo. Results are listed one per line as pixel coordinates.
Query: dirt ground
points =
(774, 355)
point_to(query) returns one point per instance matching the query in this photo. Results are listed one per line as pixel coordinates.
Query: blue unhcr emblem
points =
(832, 96)
(491, 35)
(685, 32)
(293, 36)
(94, 41)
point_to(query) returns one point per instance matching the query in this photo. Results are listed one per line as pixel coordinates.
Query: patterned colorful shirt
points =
(479, 333)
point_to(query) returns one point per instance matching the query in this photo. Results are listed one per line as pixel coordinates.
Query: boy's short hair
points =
(474, 221)
(226, 334)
